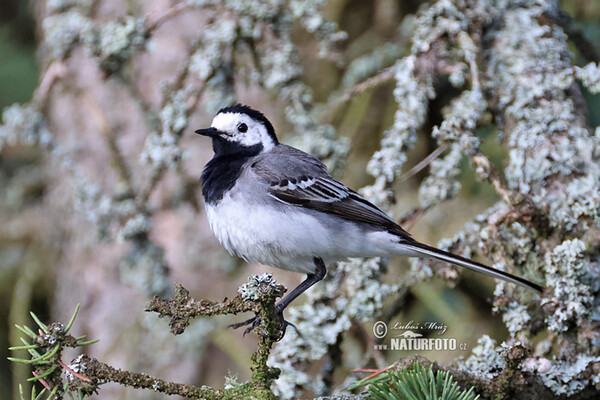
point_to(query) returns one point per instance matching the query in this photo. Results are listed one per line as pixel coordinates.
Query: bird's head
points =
(240, 128)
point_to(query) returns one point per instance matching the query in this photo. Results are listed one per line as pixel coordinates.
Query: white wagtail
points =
(274, 204)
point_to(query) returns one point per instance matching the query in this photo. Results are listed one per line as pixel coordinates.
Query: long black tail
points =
(432, 252)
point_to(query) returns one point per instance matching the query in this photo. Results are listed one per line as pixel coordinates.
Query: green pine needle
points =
(40, 323)
(32, 361)
(26, 331)
(70, 324)
(52, 394)
(371, 381)
(25, 347)
(42, 376)
(39, 395)
(418, 383)
(34, 395)
(33, 352)
(88, 342)
(51, 353)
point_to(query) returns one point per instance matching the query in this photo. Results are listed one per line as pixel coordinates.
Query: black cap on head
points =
(252, 113)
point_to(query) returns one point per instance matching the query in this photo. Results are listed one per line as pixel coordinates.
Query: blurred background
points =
(58, 249)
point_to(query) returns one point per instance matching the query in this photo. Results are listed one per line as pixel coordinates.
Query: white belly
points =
(289, 237)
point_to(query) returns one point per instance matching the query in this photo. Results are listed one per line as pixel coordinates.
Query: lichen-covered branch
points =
(85, 375)
(258, 295)
(97, 372)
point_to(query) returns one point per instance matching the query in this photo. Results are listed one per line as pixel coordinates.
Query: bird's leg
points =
(310, 280)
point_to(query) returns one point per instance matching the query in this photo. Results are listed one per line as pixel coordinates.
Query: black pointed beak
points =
(210, 132)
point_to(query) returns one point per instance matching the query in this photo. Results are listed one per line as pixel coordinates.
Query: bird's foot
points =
(256, 321)
(253, 322)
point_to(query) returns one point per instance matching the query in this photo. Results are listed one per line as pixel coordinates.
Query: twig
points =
(410, 218)
(155, 21)
(376, 80)
(98, 372)
(425, 162)
(55, 71)
(78, 375)
(183, 307)
(43, 382)
(372, 372)
(109, 137)
(486, 170)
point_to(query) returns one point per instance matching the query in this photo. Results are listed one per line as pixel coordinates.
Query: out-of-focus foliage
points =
(99, 179)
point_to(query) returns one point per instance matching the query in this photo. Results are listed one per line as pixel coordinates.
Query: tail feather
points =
(432, 252)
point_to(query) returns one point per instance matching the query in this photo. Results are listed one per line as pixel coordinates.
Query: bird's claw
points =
(256, 320)
(253, 322)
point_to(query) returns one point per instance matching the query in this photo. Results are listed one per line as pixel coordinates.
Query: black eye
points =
(242, 127)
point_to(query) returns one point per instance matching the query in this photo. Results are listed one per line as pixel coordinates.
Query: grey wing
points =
(299, 179)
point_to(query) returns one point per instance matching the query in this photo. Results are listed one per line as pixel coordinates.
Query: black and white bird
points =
(276, 205)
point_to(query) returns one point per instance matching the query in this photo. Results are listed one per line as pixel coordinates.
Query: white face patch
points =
(231, 126)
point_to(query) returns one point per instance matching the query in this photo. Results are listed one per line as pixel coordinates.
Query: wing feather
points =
(299, 179)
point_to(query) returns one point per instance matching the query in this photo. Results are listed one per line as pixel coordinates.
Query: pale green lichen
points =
(95, 206)
(539, 109)
(486, 360)
(310, 16)
(254, 288)
(116, 41)
(589, 76)
(214, 41)
(162, 150)
(441, 184)
(260, 9)
(311, 136)
(281, 67)
(443, 18)
(220, 91)
(24, 125)
(371, 63)
(231, 381)
(569, 377)
(281, 73)
(174, 115)
(571, 299)
(138, 224)
(552, 164)
(460, 120)
(211, 62)
(145, 269)
(515, 317)
(63, 31)
(412, 97)
(517, 241)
